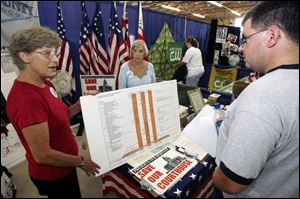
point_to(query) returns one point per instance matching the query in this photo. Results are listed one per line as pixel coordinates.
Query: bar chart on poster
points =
(123, 122)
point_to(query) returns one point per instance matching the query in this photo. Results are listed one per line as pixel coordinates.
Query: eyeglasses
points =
(244, 39)
(50, 54)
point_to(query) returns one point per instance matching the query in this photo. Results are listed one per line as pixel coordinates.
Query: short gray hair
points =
(30, 39)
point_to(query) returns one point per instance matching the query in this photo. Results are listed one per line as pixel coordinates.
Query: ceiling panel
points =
(209, 10)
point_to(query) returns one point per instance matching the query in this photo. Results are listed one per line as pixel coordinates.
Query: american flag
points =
(85, 49)
(92, 55)
(65, 60)
(98, 43)
(197, 183)
(125, 32)
(117, 48)
(141, 28)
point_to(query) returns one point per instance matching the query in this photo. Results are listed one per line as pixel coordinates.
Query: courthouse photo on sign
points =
(93, 84)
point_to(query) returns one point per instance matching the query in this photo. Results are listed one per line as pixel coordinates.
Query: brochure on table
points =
(123, 123)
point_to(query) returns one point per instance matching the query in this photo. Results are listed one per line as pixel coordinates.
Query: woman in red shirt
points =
(41, 119)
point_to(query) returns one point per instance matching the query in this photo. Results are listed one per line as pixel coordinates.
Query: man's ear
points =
(273, 33)
(25, 57)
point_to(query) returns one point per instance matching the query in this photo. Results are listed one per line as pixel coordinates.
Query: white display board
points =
(123, 123)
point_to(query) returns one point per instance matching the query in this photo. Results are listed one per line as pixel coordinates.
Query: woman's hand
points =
(90, 167)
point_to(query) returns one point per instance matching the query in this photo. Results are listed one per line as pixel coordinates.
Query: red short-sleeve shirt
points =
(27, 105)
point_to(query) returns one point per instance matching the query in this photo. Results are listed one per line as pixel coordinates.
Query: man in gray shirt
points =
(258, 143)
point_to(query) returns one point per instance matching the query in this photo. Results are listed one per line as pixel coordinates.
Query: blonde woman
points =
(137, 71)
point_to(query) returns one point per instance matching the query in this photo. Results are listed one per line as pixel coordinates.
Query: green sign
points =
(174, 50)
(158, 54)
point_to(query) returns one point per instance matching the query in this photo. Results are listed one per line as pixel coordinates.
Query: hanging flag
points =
(92, 61)
(98, 43)
(125, 32)
(117, 48)
(84, 49)
(65, 60)
(141, 28)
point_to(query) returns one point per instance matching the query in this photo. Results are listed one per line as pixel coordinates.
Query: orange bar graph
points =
(146, 125)
(137, 120)
(152, 115)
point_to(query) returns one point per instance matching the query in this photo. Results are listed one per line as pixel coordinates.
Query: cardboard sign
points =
(93, 84)
(219, 75)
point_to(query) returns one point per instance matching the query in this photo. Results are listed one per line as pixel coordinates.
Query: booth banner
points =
(174, 50)
(93, 84)
(17, 15)
(220, 75)
(159, 52)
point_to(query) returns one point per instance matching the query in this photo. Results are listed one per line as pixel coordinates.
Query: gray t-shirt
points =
(258, 141)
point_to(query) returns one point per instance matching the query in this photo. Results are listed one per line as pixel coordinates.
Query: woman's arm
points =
(37, 138)
(74, 109)
(179, 64)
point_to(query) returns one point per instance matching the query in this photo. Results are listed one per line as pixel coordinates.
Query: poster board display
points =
(123, 122)
(226, 44)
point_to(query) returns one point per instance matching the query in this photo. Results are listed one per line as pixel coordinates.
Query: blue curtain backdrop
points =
(153, 23)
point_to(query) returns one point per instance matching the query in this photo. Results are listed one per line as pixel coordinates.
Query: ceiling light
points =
(171, 8)
(236, 13)
(216, 3)
(197, 15)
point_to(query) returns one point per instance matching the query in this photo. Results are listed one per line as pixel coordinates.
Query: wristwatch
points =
(82, 163)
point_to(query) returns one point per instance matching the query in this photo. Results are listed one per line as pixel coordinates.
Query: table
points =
(193, 185)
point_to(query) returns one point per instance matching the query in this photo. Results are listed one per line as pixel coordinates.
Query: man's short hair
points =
(283, 14)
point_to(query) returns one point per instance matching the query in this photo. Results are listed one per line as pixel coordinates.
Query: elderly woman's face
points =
(138, 53)
(45, 61)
